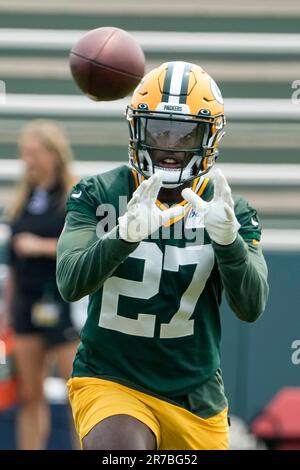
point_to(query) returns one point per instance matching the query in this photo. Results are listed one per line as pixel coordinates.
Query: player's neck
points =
(172, 195)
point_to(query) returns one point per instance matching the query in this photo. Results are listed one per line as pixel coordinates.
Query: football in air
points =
(107, 63)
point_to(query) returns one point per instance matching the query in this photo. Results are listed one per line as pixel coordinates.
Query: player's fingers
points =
(198, 204)
(229, 212)
(231, 217)
(134, 200)
(220, 184)
(172, 213)
(154, 185)
(142, 188)
(227, 197)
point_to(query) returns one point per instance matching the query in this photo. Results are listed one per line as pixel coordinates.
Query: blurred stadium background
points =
(252, 50)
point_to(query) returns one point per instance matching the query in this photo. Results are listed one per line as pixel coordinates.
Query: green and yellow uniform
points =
(153, 321)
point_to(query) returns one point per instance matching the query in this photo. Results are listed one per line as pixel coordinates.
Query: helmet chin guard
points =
(172, 177)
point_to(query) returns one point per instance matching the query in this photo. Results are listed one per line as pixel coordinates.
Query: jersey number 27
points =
(181, 323)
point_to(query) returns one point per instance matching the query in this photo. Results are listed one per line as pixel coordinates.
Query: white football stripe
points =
(176, 81)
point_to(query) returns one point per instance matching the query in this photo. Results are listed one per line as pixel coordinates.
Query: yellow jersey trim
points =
(184, 202)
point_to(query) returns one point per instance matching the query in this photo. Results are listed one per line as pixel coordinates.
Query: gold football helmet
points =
(176, 120)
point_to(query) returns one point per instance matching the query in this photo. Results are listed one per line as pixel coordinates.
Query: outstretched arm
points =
(241, 263)
(244, 275)
(85, 260)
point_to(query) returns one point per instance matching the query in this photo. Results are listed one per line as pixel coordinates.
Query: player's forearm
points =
(244, 276)
(82, 270)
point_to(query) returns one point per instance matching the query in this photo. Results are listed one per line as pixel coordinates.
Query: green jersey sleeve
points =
(85, 259)
(251, 228)
(242, 266)
(82, 199)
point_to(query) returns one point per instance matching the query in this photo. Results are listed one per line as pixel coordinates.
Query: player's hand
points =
(143, 217)
(219, 217)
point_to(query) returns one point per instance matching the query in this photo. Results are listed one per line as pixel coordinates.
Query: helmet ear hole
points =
(143, 106)
(204, 112)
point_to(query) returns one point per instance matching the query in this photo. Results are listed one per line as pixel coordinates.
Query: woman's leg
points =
(33, 420)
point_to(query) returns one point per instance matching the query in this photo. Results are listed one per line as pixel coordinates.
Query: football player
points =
(147, 372)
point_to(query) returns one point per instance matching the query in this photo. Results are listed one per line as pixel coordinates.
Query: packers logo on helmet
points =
(176, 120)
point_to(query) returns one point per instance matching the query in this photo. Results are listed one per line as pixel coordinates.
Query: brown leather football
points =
(107, 63)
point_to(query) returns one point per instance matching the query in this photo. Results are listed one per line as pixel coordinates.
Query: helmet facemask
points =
(179, 145)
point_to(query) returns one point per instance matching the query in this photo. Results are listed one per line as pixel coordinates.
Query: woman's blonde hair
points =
(53, 138)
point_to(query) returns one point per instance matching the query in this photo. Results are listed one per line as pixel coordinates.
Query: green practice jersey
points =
(153, 317)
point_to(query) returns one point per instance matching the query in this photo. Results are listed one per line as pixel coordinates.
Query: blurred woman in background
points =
(39, 317)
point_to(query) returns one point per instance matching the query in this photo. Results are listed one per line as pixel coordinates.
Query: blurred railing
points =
(232, 8)
(69, 105)
(159, 41)
(237, 174)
